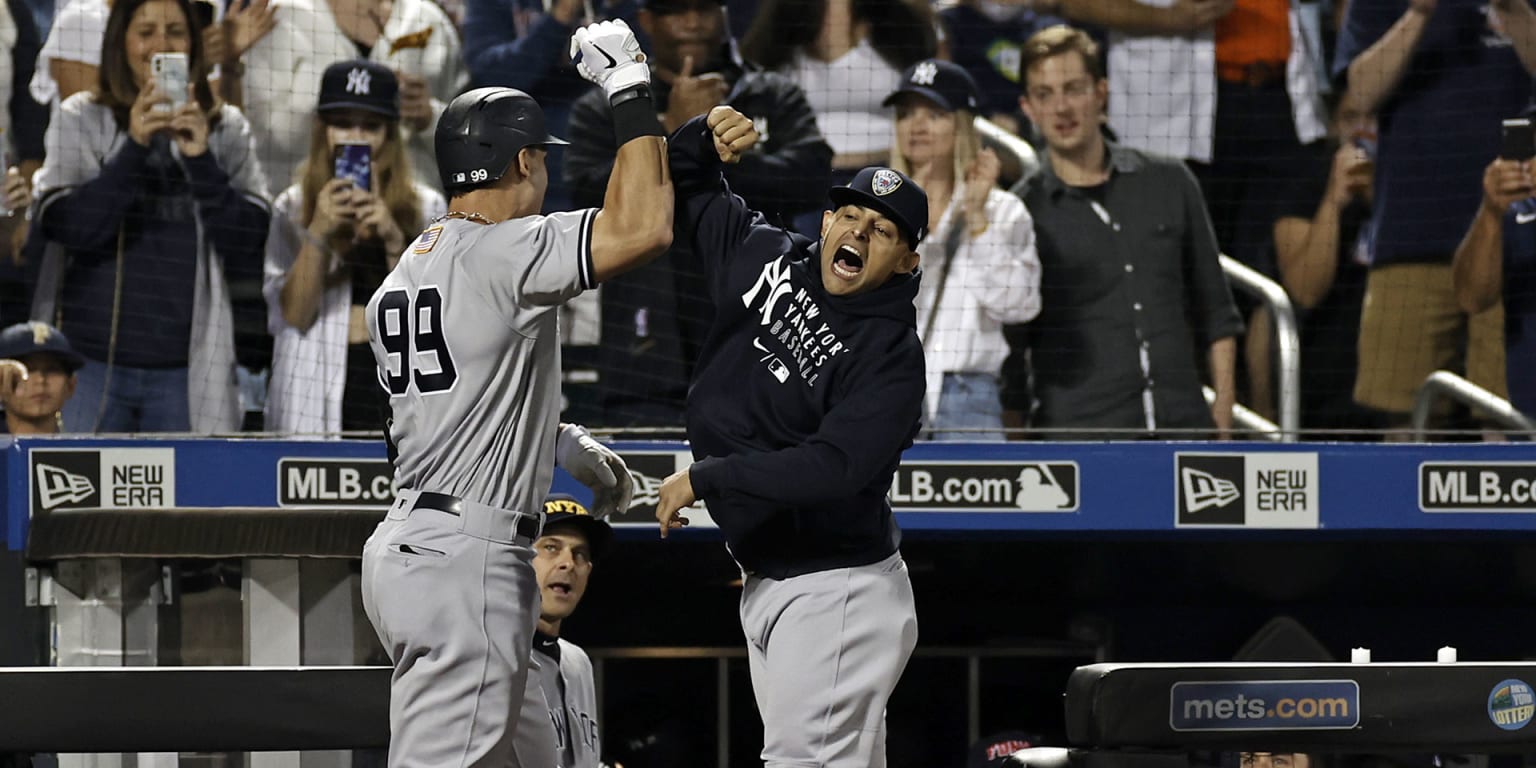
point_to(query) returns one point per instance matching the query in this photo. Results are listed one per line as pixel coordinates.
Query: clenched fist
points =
(610, 56)
(733, 132)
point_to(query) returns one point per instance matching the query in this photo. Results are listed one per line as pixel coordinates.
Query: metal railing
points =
(1445, 383)
(1248, 422)
(1287, 339)
(1009, 146)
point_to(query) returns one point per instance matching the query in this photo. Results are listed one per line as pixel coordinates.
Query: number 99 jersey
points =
(465, 334)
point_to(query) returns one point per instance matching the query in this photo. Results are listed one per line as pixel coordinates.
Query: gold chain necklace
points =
(467, 216)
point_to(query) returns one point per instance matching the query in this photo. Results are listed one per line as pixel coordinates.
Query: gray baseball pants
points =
(454, 600)
(825, 651)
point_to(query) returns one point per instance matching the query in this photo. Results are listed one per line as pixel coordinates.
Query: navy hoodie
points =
(801, 402)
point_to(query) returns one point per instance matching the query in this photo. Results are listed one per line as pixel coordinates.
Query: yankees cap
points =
(891, 193)
(35, 338)
(944, 83)
(360, 84)
(564, 510)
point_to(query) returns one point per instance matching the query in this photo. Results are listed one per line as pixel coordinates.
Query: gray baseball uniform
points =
(567, 697)
(464, 331)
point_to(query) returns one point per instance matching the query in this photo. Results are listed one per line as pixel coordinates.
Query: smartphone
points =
(354, 162)
(1518, 141)
(170, 73)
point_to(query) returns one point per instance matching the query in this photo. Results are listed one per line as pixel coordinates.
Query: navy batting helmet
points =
(480, 133)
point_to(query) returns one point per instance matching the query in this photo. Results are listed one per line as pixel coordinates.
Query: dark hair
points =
(1055, 41)
(114, 78)
(901, 31)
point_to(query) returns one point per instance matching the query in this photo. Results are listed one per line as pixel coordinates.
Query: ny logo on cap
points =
(885, 182)
(924, 73)
(359, 81)
(40, 334)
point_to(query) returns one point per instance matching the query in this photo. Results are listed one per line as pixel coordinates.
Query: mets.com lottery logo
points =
(1265, 705)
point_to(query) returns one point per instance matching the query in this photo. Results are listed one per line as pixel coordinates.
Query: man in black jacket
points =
(652, 323)
(809, 387)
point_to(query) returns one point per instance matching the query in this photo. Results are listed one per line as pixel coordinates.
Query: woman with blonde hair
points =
(334, 237)
(980, 269)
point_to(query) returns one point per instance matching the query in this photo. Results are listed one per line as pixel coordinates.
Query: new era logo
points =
(59, 486)
(1203, 490)
(1262, 489)
(1210, 489)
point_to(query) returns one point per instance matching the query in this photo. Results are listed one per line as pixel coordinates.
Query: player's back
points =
(464, 331)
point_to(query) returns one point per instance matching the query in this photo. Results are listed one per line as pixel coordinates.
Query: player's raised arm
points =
(635, 222)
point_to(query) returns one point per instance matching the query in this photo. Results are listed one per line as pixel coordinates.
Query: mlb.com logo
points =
(1252, 490)
(1264, 705)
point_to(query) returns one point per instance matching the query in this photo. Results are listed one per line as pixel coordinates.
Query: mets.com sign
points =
(1264, 705)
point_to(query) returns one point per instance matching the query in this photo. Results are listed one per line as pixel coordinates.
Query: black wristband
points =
(634, 116)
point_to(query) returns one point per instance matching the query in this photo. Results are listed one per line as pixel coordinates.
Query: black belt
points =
(1256, 74)
(527, 526)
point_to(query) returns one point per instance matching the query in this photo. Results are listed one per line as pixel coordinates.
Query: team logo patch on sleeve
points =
(427, 240)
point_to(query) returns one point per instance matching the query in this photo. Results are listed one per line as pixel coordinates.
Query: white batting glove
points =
(610, 56)
(597, 467)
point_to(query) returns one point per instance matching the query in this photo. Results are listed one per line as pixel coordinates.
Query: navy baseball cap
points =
(360, 84)
(563, 509)
(891, 193)
(36, 338)
(944, 83)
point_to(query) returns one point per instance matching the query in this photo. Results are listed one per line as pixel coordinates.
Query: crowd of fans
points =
(209, 266)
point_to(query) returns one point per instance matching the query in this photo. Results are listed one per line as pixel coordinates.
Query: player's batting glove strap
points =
(608, 54)
(597, 467)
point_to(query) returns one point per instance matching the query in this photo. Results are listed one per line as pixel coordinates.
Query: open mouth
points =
(847, 263)
(560, 589)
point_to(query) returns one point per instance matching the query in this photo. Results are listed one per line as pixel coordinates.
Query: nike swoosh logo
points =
(756, 342)
(611, 61)
(1525, 218)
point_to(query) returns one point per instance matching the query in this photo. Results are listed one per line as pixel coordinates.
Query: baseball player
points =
(807, 391)
(464, 332)
(564, 719)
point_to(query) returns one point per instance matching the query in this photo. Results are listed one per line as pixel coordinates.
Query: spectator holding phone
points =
(1440, 75)
(335, 235)
(1322, 249)
(1497, 257)
(413, 38)
(150, 199)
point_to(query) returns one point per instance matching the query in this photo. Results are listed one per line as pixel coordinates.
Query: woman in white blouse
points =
(331, 244)
(980, 269)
